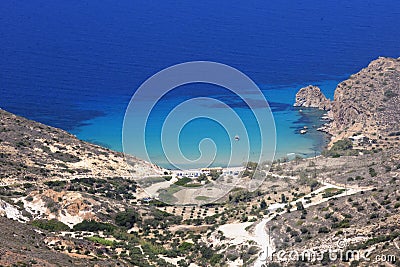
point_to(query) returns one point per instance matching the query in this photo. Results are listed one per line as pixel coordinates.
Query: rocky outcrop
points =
(68, 207)
(11, 212)
(368, 103)
(312, 97)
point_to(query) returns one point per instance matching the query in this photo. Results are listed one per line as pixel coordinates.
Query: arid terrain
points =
(66, 202)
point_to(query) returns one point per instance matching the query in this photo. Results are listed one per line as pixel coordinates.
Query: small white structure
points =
(194, 173)
(359, 140)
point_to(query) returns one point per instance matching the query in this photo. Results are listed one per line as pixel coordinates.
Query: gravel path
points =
(238, 234)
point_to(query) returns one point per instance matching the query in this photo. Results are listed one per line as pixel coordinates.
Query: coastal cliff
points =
(368, 103)
(312, 97)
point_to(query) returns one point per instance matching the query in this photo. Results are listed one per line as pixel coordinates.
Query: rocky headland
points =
(366, 104)
(312, 97)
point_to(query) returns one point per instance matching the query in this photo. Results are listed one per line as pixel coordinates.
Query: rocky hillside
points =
(47, 173)
(21, 245)
(368, 103)
(363, 221)
(71, 203)
(312, 97)
(66, 202)
(31, 151)
(365, 105)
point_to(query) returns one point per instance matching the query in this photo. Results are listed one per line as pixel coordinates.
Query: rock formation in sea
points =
(312, 97)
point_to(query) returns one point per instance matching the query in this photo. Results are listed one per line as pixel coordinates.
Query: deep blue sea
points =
(76, 64)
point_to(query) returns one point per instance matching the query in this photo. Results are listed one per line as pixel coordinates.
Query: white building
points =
(359, 140)
(194, 173)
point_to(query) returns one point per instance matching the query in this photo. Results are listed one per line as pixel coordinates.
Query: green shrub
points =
(323, 229)
(65, 157)
(183, 181)
(93, 226)
(52, 184)
(52, 225)
(342, 147)
(216, 258)
(330, 192)
(342, 224)
(100, 240)
(344, 144)
(389, 94)
(372, 172)
(127, 218)
(185, 246)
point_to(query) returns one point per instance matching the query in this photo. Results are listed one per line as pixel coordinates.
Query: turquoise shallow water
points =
(107, 130)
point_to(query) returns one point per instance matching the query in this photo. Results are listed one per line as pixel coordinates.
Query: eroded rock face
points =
(368, 101)
(312, 97)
